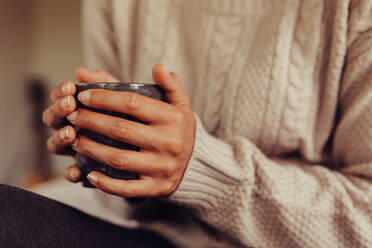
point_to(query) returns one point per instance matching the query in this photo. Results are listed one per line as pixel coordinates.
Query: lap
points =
(28, 219)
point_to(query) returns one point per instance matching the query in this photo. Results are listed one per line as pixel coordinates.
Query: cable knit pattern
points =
(282, 95)
(153, 26)
(300, 78)
(227, 31)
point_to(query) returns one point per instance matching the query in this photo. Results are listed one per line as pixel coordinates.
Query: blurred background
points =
(40, 46)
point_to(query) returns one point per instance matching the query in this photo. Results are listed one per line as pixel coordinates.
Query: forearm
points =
(274, 203)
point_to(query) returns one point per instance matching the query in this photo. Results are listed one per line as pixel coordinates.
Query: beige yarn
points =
(282, 93)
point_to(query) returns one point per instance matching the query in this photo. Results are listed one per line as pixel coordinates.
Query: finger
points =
(54, 115)
(73, 173)
(60, 140)
(141, 162)
(124, 188)
(171, 83)
(142, 107)
(63, 89)
(120, 129)
(88, 76)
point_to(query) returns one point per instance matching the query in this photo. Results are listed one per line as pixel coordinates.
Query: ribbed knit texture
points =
(282, 94)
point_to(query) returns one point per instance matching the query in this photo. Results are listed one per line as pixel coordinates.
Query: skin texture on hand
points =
(63, 104)
(166, 141)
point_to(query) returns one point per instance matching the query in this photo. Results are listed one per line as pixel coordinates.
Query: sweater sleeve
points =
(100, 46)
(267, 202)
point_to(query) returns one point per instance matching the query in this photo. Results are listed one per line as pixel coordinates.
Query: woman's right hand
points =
(63, 104)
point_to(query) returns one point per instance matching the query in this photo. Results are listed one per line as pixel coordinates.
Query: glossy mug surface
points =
(87, 164)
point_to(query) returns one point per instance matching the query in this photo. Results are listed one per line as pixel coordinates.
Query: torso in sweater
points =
(257, 69)
(269, 80)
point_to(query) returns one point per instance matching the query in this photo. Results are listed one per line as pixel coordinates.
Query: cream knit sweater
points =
(282, 94)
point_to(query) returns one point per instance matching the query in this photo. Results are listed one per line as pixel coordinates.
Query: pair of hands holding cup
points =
(166, 141)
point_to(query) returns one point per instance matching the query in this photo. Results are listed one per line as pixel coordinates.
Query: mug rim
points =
(130, 84)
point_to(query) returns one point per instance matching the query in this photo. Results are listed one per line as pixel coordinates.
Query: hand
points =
(166, 140)
(63, 104)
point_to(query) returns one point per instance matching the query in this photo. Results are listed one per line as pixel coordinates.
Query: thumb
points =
(86, 76)
(172, 85)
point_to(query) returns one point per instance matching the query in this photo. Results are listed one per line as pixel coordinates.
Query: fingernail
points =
(64, 134)
(75, 143)
(65, 102)
(161, 67)
(84, 96)
(72, 117)
(66, 87)
(72, 175)
(164, 68)
(92, 178)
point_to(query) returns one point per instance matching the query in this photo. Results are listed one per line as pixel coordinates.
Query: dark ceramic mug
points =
(86, 164)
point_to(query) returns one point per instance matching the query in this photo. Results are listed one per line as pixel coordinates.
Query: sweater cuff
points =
(208, 176)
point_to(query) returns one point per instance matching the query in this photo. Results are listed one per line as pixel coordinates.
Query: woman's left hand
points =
(166, 142)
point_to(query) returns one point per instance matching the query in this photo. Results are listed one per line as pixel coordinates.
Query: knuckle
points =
(175, 146)
(52, 93)
(178, 117)
(49, 117)
(126, 192)
(85, 148)
(51, 96)
(122, 130)
(167, 188)
(134, 101)
(45, 118)
(170, 169)
(119, 159)
(175, 76)
(50, 145)
(85, 119)
(98, 98)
